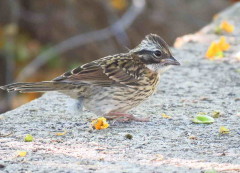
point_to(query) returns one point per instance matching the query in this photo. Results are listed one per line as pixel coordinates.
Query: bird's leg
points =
(123, 117)
(80, 103)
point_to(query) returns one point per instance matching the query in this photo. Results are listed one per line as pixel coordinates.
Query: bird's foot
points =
(124, 117)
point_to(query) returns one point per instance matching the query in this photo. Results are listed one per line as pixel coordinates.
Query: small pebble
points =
(128, 136)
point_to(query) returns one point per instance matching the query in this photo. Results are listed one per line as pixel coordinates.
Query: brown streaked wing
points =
(96, 77)
(86, 68)
(104, 72)
(123, 70)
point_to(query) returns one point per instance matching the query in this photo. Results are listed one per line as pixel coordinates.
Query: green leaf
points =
(203, 119)
(28, 138)
(210, 171)
(220, 54)
(218, 30)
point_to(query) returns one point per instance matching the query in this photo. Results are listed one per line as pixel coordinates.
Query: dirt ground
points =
(160, 145)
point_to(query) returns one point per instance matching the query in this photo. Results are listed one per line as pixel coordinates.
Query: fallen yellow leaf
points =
(21, 153)
(61, 133)
(226, 26)
(166, 116)
(100, 123)
(224, 130)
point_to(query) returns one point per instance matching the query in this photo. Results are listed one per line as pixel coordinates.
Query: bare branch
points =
(122, 24)
(121, 37)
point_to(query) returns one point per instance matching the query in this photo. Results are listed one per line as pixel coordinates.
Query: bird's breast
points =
(121, 99)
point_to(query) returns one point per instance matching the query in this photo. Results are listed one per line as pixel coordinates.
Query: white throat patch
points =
(158, 68)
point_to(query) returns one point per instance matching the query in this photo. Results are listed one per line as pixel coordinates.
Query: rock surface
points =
(161, 145)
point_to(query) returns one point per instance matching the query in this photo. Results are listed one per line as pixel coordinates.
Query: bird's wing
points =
(117, 70)
(83, 74)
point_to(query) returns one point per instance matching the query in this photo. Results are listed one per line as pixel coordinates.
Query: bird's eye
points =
(157, 53)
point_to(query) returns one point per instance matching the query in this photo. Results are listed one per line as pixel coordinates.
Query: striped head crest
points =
(154, 50)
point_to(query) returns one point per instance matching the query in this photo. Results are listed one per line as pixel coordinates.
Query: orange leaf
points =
(213, 50)
(226, 26)
(223, 45)
(100, 123)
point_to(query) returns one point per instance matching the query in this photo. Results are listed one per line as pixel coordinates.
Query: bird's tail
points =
(36, 86)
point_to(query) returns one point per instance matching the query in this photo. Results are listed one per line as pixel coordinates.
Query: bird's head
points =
(154, 52)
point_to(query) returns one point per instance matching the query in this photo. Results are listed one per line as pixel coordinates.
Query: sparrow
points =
(112, 85)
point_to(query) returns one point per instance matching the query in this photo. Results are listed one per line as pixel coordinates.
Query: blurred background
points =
(39, 40)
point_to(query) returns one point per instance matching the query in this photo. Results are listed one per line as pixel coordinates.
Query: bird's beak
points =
(170, 61)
